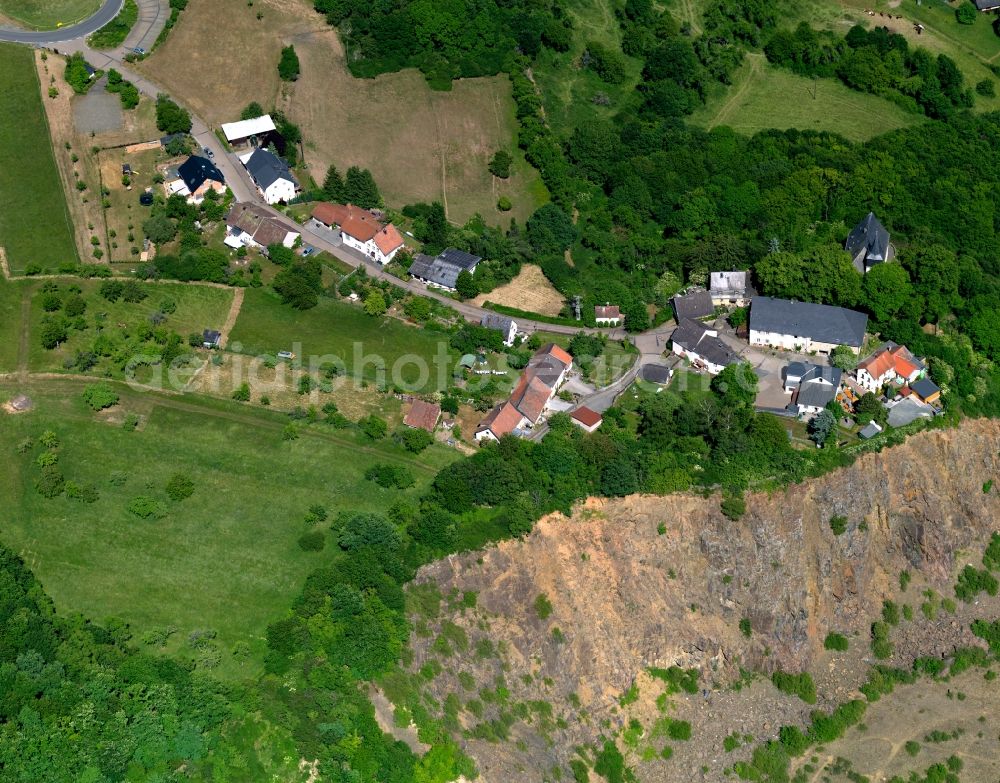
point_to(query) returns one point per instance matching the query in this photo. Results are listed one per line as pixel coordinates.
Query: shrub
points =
(242, 394)
(912, 747)
(147, 508)
(85, 493)
(904, 580)
(966, 13)
(504, 204)
(838, 524)
(543, 607)
(386, 475)
(890, 612)
(881, 644)
(972, 581)
(416, 440)
(180, 486)
(986, 88)
(374, 427)
(51, 482)
(733, 507)
(99, 396)
(800, 685)
(312, 542)
(288, 65)
(745, 627)
(836, 641)
(679, 730)
(500, 164)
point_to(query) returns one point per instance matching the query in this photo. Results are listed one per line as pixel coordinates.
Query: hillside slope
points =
(661, 581)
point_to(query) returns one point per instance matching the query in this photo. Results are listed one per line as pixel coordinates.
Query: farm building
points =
(694, 304)
(504, 419)
(442, 271)
(254, 132)
(730, 288)
(271, 175)
(422, 415)
(251, 226)
(805, 326)
(506, 326)
(700, 345)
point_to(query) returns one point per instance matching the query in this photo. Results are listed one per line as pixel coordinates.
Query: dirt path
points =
(234, 313)
(729, 106)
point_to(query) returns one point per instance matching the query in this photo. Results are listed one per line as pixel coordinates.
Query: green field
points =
(35, 226)
(47, 14)
(763, 96)
(227, 557)
(10, 324)
(197, 308)
(335, 328)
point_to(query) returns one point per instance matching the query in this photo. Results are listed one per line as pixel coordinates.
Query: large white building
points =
(804, 326)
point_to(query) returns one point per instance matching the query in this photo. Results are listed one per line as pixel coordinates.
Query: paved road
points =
(105, 14)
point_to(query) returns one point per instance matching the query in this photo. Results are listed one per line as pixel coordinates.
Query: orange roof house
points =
(891, 363)
(423, 415)
(361, 230)
(388, 240)
(586, 419)
(502, 420)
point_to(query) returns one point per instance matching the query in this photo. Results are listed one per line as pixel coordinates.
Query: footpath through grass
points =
(35, 226)
(226, 558)
(48, 14)
(343, 330)
(764, 96)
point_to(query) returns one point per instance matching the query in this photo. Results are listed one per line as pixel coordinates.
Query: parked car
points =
(208, 152)
(139, 50)
(286, 355)
(308, 251)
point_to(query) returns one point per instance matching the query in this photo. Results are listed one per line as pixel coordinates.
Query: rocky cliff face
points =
(660, 581)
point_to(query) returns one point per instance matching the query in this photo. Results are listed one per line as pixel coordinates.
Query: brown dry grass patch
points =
(419, 144)
(530, 290)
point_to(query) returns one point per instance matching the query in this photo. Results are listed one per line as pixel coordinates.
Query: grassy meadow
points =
(47, 14)
(335, 328)
(35, 226)
(10, 323)
(226, 558)
(764, 96)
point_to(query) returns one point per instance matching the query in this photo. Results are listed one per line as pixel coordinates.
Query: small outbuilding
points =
(423, 415)
(926, 390)
(21, 404)
(869, 431)
(211, 338)
(586, 419)
(607, 315)
(695, 304)
(656, 373)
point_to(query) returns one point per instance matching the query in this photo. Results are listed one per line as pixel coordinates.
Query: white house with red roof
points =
(361, 230)
(608, 315)
(891, 363)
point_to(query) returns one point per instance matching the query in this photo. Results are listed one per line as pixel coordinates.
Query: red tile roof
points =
(612, 312)
(502, 420)
(355, 221)
(331, 214)
(895, 359)
(586, 416)
(423, 415)
(531, 396)
(554, 350)
(388, 239)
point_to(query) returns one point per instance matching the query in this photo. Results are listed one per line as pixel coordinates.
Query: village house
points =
(804, 326)
(506, 326)
(730, 288)
(869, 244)
(252, 226)
(361, 230)
(193, 179)
(423, 415)
(442, 271)
(545, 373)
(695, 304)
(812, 386)
(254, 132)
(211, 338)
(271, 175)
(608, 315)
(586, 419)
(701, 346)
(891, 363)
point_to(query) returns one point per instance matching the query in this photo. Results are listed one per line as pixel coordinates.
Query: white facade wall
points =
(791, 342)
(280, 190)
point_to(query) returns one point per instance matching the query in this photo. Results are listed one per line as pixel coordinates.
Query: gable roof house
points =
(891, 363)
(254, 131)
(423, 415)
(545, 372)
(252, 226)
(361, 230)
(586, 419)
(730, 288)
(271, 175)
(694, 304)
(812, 387)
(608, 315)
(869, 244)
(506, 326)
(443, 270)
(194, 178)
(804, 326)
(701, 345)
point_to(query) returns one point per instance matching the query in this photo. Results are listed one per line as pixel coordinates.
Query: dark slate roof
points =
(817, 385)
(266, 168)
(655, 373)
(496, 321)
(694, 336)
(987, 5)
(211, 336)
(459, 258)
(694, 304)
(823, 323)
(924, 388)
(196, 169)
(870, 430)
(445, 268)
(872, 237)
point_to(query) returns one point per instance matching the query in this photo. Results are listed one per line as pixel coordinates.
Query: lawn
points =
(763, 96)
(10, 323)
(197, 308)
(48, 14)
(569, 91)
(34, 223)
(419, 144)
(226, 558)
(336, 329)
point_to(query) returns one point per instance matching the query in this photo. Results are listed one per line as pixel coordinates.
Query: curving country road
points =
(105, 14)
